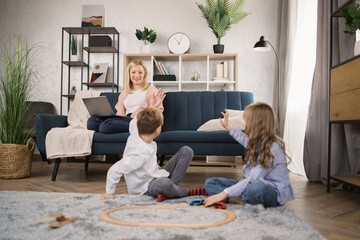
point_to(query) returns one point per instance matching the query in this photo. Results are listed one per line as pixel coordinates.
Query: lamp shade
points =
(262, 45)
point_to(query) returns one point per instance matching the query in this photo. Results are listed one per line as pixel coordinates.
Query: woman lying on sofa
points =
(137, 95)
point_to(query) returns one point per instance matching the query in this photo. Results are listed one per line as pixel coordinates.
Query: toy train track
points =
(230, 216)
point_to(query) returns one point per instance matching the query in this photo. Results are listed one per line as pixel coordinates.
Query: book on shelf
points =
(226, 69)
(164, 69)
(161, 68)
(220, 79)
(157, 65)
(222, 72)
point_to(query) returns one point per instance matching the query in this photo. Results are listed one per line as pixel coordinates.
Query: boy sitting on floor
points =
(139, 163)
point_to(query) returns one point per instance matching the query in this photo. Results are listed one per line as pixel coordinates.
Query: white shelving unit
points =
(184, 65)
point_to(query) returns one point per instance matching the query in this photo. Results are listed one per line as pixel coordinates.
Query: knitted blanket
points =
(74, 140)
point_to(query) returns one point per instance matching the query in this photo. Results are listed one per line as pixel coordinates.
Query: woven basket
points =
(16, 159)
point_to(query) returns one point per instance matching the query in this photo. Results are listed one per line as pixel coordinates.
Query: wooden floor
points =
(335, 215)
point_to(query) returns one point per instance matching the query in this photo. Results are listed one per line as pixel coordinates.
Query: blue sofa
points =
(184, 113)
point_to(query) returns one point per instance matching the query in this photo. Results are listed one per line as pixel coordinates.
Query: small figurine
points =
(195, 76)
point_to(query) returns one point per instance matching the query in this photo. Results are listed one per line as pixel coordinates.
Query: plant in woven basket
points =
(15, 91)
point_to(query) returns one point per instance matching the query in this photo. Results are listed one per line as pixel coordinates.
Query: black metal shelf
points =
(84, 62)
(346, 5)
(75, 63)
(68, 96)
(346, 61)
(91, 30)
(100, 84)
(353, 181)
(101, 49)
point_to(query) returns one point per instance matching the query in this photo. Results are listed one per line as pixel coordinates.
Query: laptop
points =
(98, 106)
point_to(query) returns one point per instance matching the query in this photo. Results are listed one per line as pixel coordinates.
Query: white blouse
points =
(134, 101)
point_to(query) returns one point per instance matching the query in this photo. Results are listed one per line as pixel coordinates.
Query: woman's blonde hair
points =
(128, 85)
(261, 127)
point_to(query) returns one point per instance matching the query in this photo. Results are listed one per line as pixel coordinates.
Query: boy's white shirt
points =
(138, 165)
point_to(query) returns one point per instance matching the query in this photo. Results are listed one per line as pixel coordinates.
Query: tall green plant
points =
(14, 90)
(221, 14)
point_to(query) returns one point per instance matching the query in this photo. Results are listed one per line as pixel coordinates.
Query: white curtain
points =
(299, 73)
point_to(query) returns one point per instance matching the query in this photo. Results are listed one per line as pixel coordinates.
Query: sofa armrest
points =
(43, 124)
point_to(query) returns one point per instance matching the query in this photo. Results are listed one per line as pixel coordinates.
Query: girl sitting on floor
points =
(266, 179)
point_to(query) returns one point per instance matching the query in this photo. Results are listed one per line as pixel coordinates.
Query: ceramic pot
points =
(357, 43)
(145, 49)
(218, 48)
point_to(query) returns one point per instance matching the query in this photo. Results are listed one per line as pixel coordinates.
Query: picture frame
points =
(92, 16)
(99, 73)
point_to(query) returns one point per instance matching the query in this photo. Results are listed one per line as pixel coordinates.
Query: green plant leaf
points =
(221, 14)
(146, 35)
(352, 18)
(354, 10)
(15, 89)
(138, 34)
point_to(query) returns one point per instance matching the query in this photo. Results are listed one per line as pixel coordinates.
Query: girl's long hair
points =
(128, 85)
(261, 127)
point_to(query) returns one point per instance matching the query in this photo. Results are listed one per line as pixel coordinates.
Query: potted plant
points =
(147, 36)
(220, 15)
(16, 148)
(73, 90)
(352, 18)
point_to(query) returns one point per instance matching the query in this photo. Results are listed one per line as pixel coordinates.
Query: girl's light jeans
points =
(256, 192)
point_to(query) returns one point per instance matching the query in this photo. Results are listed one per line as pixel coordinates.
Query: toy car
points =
(196, 202)
(219, 205)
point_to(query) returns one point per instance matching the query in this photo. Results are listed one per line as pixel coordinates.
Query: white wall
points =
(41, 22)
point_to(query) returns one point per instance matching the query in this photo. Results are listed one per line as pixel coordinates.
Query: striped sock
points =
(161, 197)
(198, 191)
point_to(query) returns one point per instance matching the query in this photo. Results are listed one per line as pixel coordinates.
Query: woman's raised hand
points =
(158, 98)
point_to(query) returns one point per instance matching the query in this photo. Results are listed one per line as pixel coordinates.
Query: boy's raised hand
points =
(225, 121)
(158, 98)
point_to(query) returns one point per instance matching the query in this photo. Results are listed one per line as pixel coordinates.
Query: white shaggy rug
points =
(20, 210)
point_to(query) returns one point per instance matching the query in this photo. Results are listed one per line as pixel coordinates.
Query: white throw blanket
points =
(74, 140)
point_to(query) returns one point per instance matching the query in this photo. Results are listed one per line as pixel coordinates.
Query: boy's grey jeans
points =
(177, 167)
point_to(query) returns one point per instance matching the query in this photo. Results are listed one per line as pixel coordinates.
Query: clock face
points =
(179, 43)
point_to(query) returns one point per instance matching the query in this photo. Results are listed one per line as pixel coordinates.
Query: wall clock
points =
(179, 43)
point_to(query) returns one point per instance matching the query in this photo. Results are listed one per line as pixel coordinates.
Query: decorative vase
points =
(74, 49)
(218, 48)
(74, 58)
(357, 43)
(144, 49)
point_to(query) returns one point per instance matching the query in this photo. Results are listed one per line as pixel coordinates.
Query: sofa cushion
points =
(116, 137)
(195, 136)
(189, 110)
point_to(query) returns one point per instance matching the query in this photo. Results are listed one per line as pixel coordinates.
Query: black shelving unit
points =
(84, 62)
(344, 75)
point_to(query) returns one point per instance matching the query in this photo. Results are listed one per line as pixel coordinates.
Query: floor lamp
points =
(264, 45)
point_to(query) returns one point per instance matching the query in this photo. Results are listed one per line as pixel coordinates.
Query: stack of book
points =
(222, 72)
(161, 68)
(164, 74)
